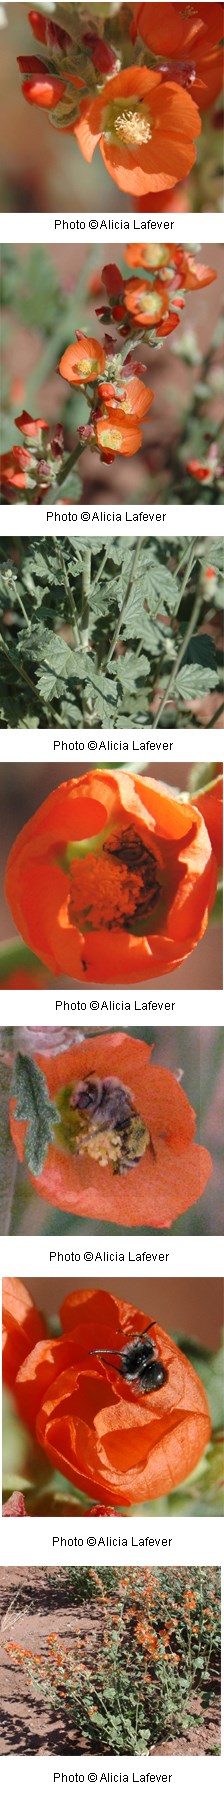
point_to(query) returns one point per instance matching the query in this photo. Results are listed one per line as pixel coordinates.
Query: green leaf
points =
(193, 680)
(33, 1105)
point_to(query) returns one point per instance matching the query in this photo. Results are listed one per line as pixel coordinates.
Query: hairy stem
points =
(185, 641)
(216, 716)
(86, 587)
(124, 602)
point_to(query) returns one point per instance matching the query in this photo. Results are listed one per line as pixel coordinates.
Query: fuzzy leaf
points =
(33, 1105)
(193, 680)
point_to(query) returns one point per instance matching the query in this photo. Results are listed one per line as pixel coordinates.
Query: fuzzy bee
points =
(139, 1362)
(108, 1104)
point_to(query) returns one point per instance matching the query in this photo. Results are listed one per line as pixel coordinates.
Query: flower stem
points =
(125, 601)
(216, 716)
(185, 641)
(86, 585)
(65, 468)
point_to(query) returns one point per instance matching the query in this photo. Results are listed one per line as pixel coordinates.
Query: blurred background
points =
(46, 295)
(24, 787)
(195, 1055)
(43, 169)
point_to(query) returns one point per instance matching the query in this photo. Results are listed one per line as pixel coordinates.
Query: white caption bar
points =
(171, 522)
(42, 746)
(65, 228)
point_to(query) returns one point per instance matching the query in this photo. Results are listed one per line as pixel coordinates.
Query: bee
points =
(108, 1104)
(139, 1362)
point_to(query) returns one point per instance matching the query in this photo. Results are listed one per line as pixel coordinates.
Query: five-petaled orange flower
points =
(82, 362)
(145, 127)
(113, 878)
(148, 305)
(117, 434)
(109, 1438)
(186, 41)
(124, 1149)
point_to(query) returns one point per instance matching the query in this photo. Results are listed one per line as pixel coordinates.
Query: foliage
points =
(154, 1656)
(34, 1106)
(94, 632)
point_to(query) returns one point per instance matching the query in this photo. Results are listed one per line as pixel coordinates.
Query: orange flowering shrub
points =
(123, 1151)
(145, 116)
(115, 1441)
(112, 878)
(137, 1678)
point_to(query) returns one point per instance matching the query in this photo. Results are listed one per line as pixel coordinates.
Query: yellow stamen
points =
(133, 128)
(111, 438)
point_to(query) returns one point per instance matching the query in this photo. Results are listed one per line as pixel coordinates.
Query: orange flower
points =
(31, 428)
(14, 465)
(170, 1172)
(148, 256)
(28, 1327)
(145, 128)
(82, 362)
(186, 40)
(113, 876)
(110, 1439)
(136, 398)
(195, 275)
(210, 802)
(116, 435)
(160, 257)
(148, 305)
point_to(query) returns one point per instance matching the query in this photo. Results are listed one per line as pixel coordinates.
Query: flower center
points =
(111, 437)
(132, 128)
(88, 366)
(149, 304)
(99, 1120)
(116, 888)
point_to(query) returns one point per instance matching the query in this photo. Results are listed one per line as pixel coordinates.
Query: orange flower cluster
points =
(114, 878)
(34, 469)
(118, 403)
(155, 299)
(145, 117)
(143, 307)
(169, 1171)
(111, 1439)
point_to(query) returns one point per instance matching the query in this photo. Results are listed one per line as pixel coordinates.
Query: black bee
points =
(139, 1362)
